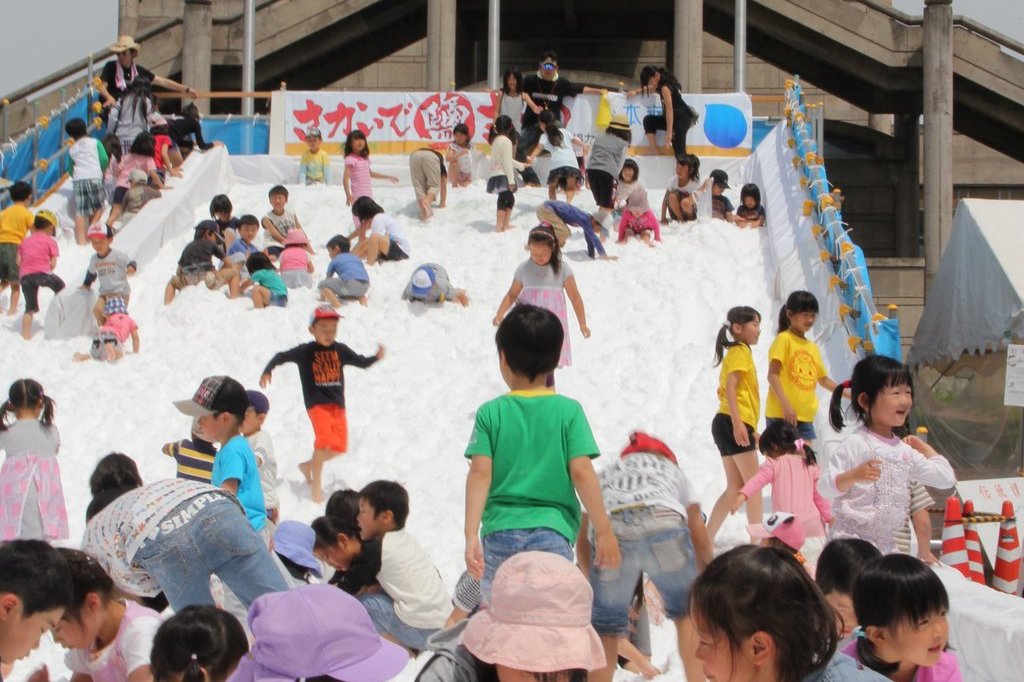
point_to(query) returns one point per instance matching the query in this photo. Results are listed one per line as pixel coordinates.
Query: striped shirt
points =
(194, 458)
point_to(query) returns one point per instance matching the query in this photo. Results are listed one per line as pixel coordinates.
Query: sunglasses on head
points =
(548, 66)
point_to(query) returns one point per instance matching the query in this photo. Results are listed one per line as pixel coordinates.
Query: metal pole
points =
(249, 56)
(739, 58)
(493, 44)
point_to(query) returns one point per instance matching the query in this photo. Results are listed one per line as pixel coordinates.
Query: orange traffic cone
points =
(974, 558)
(1007, 569)
(954, 544)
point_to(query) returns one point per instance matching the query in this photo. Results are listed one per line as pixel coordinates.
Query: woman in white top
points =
(565, 170)
(502, 181)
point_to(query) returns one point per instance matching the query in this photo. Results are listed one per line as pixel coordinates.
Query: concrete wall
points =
(402, 70)
(900, 281)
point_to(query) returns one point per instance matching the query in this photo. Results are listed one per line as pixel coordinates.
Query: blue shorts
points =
(279, 300)
(381, 608)
(806, 429)
(504, 544)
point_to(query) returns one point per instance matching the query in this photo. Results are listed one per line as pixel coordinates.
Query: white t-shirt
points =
(388, 226)
(562, 156)
(691, 186)
(409, 577)
(263, 448)
(86, 157)
(646, 479)
(131, 648)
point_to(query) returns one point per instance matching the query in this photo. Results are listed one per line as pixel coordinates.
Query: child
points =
(795, 368)
(565, 171)
(113, 333)
(245, 245)
(560, 216)
(138, 157)
(357, 169)
(903, 629)
(529, 457)
(280, 219)
(15, 222)
(678, 201)
(777, 628)
(37, 257)
(187, 131)
(198, 644)
(783, 531)
(263, 449)
(429, 178)
(111, 267)
(460, 156)
(268, 288)
(502, 181)
(138, 195)
(194, 457)
(129, 118)
(165, 155)
(629, 180)
(227, 226)
(315, 163)
(656, 518)
(839, 566)
(751, 212)
(413, 601)
(721, 207)
(35, 588)
(739, 410)
(606, 160)
(109, 638)
(113, 147)
(381, 237)
(638, 219)
(294, 261)
(346, 275)
(88, 159)
(792, 470)
(234, 467)
(293, 545)
(321, 370)
(32, 504)
(544, 280)
(869, 475)
(338, 544)
(512, 100)
(429, 283)
(196, 265)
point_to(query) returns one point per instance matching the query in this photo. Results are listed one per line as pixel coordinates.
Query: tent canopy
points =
(976, 300)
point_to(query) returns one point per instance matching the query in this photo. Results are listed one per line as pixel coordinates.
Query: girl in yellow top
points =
(739, 410)
(796, 370)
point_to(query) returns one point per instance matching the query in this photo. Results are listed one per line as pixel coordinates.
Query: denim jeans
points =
(381, 608)
(593, 242)
(504, 544)
(529, 137)
(659, 546)
(805, 429)
(216, 539)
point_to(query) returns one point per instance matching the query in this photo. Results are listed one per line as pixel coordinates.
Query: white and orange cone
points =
(975, 561)
(954, 544)
(1008, 557)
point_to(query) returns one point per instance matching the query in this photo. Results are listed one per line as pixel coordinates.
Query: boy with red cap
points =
(655, 515)
(111, 267)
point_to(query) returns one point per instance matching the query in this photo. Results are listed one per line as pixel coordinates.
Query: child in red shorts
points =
(320, 364)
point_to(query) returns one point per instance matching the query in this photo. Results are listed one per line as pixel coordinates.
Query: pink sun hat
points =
(782, 526)
(539, 618)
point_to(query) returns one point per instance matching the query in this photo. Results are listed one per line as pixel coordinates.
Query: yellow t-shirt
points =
(740, 359)
(801, 369)
(15, 222)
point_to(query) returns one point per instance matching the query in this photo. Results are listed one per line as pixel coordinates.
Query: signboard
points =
(988, 495)
(401, 122)
(1013, 394)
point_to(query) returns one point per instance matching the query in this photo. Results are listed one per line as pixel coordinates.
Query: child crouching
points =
(110, 339)
(638, 219)
(268, 288)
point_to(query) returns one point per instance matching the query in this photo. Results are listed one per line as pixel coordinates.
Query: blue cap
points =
(422, 281)
(258, 402)
(294, 540)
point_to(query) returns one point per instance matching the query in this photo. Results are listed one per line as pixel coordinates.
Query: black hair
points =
(549, 55)
(20, 191)
(204, 228)
(138, 96)
(340, 242)
(503, 126)
(551, 128)
(624, 135)
(37, 574)
(841, 562)
(190, 111)
(546, 233)
(87, 577)
(24, 394)
(278, 189)
(343, 504)
(517, 76)
(352, 137)
(112, 144)
(870, 376)
(143, 145)
(328, 528)
(667, 77)
(113, 471)
(778, 598)
(220, 204)
(530, 337)
(630, 163)
(248, 219)
(195, 639)
(390, 496)
(797, 302)
(365, 208)
(103, 500)
(460, 128)
(895, 590)
(779, 438)
(741, 314)
(488, 672)
(692, 162)
(258, 261)
(76, 128)
(751, 190)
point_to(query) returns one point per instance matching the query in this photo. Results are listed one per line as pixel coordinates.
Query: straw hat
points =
(619, 122)
(125, 43)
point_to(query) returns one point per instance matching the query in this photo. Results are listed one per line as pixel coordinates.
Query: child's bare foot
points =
(306, 473)
(363, 301)
(113, 354)
(316, 494)
(82, 357)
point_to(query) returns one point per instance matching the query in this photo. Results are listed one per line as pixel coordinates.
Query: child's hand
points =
(393, 180)
(131, 270)
(585, 330)
(496, 321)
(738, 502)
(869, 471)
(789, 415)
(265, 380)
(920, 446)
(348, 201)
(475, 558)
(740, 434)
(380, 352)
(606, 554)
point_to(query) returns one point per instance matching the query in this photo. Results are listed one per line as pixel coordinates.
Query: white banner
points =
(399, 123)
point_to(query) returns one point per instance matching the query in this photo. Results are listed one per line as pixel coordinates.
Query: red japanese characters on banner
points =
(439, 113)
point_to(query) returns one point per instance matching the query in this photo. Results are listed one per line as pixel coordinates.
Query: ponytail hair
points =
(546, 233)
(25, 394)
(195, 639)
(798, 302)
(741, 314)
(870, 377)
(782, 438)
(551, 128)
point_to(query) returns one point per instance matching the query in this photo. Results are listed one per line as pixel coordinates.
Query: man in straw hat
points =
(118, 74)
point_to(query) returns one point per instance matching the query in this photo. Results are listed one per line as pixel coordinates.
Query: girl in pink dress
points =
(31, 494)
(544, 280)
(357, 169)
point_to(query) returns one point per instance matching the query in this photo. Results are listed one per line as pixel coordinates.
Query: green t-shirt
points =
(271, 280)
(530, 437)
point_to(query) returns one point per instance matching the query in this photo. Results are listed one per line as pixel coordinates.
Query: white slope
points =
(653, 314)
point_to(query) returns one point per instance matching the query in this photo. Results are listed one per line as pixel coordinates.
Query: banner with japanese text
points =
(399, 123)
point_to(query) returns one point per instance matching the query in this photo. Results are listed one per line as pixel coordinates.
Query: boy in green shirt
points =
(529, 458)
